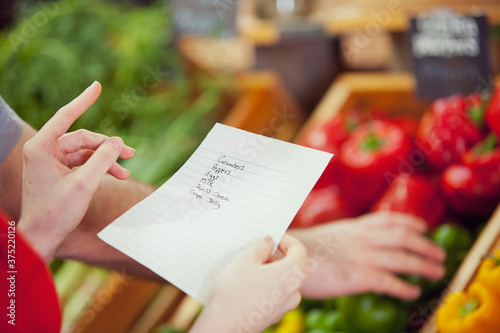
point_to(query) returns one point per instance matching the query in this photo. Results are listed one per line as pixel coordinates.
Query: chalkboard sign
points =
(450, 53)
(204, 17)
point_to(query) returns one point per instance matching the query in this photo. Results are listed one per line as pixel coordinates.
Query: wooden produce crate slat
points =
(159, 310)
(265, 107)
(117, 305)
(185, 314)
(391, 92)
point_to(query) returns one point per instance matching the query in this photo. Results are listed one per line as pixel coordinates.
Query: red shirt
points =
(27, 293)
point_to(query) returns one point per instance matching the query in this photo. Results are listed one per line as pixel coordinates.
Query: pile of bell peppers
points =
(444, 168)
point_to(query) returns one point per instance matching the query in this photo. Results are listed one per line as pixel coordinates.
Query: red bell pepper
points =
(329, 137)
(415, 195)
(374, 151)
(451, 127)
(468, 192)
(474, 188)
(321, 206)
(493, 112)
(484, 158)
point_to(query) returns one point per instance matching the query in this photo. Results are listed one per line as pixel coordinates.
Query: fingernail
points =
(126, 171)
(268, 239)
(130, 148)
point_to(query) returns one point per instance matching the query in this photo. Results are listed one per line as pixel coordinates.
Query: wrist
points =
(307, 236)
(45, 245)
(219, 318)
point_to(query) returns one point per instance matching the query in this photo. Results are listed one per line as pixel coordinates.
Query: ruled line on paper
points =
(244, 179)
(213, 209)
(255, 173)
(184, 199)
(243, 198)
(262, 166)
(211, 219)
(243, 188)
(243, 207)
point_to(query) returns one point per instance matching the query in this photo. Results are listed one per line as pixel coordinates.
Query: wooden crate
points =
(394, 93)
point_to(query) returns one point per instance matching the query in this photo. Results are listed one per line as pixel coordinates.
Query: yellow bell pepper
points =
(292, 322)
(475, 310)
(489, 273)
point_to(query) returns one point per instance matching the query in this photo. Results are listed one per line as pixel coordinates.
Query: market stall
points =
(289, 75)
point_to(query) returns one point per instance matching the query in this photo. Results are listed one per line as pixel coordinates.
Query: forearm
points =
(11, 175)
(213, 320)
(112, 199)
(306, 236)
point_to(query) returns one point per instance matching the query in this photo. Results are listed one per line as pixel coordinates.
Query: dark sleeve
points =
(11, 127)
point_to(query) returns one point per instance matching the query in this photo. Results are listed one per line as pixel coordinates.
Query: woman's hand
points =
(61, 173)
(365, 254)
(255, 290)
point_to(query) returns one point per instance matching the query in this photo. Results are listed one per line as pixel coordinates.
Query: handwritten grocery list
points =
(235, 188)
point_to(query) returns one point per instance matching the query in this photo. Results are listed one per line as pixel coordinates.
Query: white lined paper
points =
(235, 188)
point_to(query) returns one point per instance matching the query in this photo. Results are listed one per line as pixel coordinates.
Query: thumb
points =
(262, 250)
(101, 160)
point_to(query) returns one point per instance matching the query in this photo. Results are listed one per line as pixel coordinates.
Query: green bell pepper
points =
(456, 240)
(452, 237)
(324, 320)
(370, 313)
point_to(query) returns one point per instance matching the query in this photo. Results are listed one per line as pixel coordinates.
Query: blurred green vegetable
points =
(324, 320)
(370, 313)
(456, 240)
(147, 99)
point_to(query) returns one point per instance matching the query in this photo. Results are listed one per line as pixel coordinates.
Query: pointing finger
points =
(66, 116)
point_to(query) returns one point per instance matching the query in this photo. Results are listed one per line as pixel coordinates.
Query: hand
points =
(255, 291)
(56, 194)
(365, 254)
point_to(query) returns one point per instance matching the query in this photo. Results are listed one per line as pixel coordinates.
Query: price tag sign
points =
(450, 53)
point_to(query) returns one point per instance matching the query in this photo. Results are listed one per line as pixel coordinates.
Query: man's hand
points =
(365, 254)
(62, 171)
